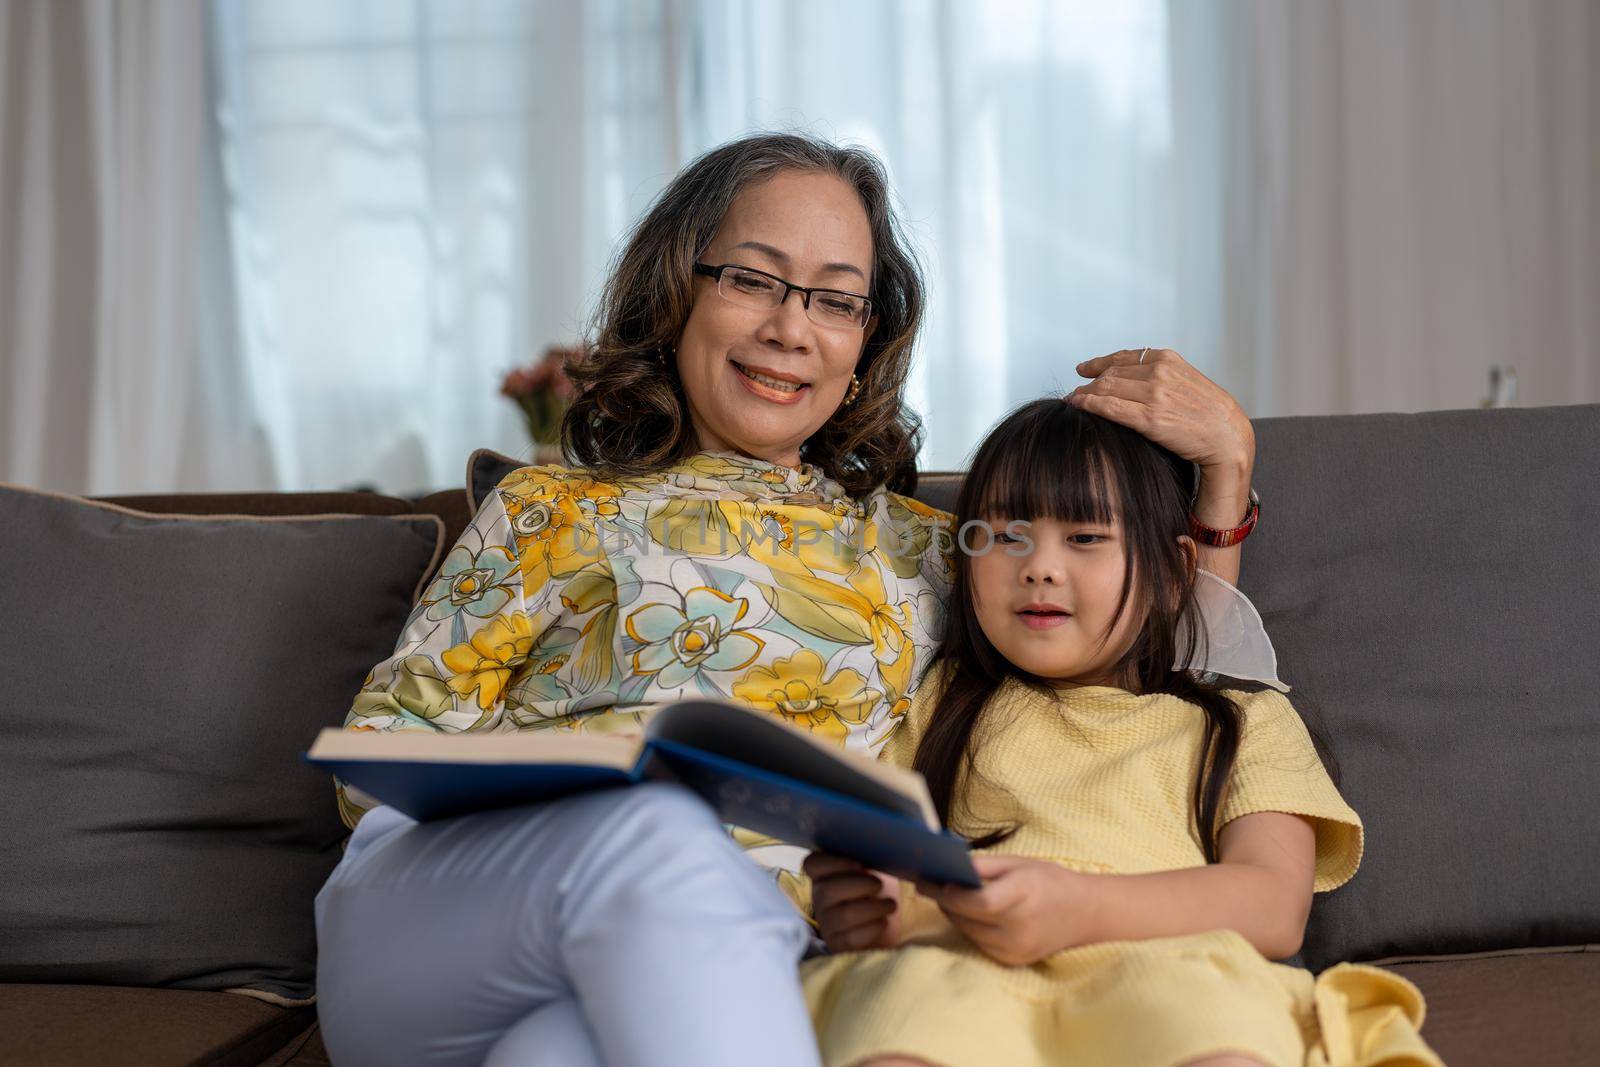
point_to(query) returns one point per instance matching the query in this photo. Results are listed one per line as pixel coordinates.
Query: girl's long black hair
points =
(1049, 459)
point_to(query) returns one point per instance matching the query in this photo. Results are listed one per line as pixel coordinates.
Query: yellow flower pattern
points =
(719, 577)
(481, 667)
(795, 689)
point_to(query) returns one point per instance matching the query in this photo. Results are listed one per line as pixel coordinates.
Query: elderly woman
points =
(737, 530)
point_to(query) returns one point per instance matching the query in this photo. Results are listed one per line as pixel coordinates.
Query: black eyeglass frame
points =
(715, 274)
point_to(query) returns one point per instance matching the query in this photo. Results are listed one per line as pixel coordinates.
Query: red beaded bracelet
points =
(1215, 538)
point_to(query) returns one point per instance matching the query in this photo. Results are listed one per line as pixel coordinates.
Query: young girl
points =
(1148, 842)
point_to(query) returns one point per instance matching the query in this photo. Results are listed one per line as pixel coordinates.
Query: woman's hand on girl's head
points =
(855, 908)
(1177, 407)
(1171, 403)
(1027, 909)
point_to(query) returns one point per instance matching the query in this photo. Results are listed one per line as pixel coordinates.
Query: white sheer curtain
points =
(1328, 207)
(424, 194)
(1030, 143)
(1386, 200)
(116, 349)
(421, 195)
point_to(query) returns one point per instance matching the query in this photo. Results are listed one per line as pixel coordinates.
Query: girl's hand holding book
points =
(1027, 909)
(855, 908)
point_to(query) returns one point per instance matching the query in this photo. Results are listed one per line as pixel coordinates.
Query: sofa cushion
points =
(452, 506)
(938, 489)
(90, 1026)
(305, 1049)
(486, 469)
(1539, 1007)
(262, 505)
(161, 677)
(1432, 585)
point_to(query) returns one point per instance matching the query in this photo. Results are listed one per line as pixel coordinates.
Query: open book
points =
(756, 771)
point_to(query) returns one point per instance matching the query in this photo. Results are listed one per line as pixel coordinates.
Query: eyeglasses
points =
(758, 289)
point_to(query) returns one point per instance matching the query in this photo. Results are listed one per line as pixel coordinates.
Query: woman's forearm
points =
(1221, 503)
(1253, 901)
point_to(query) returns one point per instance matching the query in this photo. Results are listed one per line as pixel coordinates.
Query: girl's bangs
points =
(1045, 464)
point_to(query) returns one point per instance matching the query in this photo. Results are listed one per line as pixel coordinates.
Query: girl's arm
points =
(1029, 909)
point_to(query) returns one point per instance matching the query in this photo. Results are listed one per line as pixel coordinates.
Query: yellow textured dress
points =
(1101, 781)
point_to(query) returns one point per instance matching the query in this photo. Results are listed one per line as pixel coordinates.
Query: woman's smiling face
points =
(811, 229)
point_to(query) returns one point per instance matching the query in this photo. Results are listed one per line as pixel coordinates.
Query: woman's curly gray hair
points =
(631, 417)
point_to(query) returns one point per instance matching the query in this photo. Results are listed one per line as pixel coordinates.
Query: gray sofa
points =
(1432, 583)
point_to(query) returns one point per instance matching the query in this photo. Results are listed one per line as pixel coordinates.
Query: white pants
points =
(620, 928)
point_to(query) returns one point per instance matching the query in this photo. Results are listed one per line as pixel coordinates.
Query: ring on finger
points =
(1143, 354)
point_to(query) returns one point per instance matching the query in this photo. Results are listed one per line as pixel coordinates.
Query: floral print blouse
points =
(574, 604)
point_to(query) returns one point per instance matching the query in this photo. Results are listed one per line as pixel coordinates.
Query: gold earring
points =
(855, 390)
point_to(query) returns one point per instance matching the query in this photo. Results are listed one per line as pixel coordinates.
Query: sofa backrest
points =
(1432, 585)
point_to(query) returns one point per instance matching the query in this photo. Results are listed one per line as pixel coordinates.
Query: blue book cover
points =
(818, 818)
(428, 790)
(757, 772)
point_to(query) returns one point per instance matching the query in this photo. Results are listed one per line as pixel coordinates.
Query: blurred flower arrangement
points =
(542, 390)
